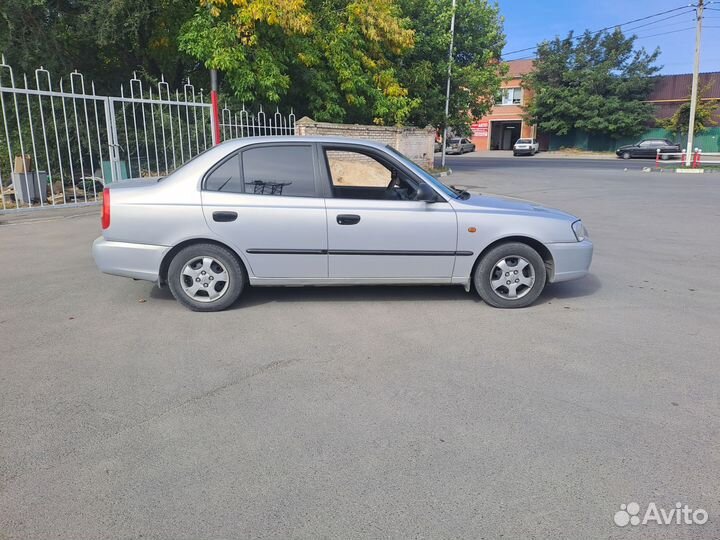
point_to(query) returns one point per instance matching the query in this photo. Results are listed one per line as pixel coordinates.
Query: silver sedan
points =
(294, 211)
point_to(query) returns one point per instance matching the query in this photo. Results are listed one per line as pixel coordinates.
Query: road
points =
(378, 411)
(484, 161)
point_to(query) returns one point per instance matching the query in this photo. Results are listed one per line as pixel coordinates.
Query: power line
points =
(669, 32)
(686, 8)
(658, 21)
(532, 57)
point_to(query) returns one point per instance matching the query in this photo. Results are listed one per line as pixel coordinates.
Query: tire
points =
(529, 265)
(626, 155)
(206, 265)
(514, 154)
(664, 157)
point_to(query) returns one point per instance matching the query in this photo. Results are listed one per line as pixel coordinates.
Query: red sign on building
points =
(479, 129)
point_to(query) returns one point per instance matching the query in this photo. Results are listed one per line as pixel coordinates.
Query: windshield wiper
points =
(462, 194)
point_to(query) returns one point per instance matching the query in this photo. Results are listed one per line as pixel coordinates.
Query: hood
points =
(495, 203)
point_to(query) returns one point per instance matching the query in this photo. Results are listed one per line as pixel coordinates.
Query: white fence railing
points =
(60, 143)
(246, 124)
(707, 158)
(697, 158)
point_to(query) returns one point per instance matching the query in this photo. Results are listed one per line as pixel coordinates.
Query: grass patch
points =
(437, 170)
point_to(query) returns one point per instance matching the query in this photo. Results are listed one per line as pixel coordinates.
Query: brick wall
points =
(415, 143)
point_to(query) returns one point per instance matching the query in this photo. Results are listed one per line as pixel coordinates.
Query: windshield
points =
(453, 141)
(426, 176)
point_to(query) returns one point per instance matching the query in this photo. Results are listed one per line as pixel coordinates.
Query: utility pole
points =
(447, 90)
(696, 72)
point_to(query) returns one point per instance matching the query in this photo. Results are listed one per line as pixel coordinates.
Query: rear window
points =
(524, 141)
(226, 176)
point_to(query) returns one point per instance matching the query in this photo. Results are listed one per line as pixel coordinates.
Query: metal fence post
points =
(215, 107)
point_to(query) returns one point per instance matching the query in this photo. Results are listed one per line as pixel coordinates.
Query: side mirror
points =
(425, 193)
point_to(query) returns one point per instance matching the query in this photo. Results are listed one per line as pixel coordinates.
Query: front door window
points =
(355, 175)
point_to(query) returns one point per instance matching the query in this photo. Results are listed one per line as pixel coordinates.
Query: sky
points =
(528, 22)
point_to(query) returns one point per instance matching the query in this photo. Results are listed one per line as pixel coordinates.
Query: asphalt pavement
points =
(372, 412)
(506, 161)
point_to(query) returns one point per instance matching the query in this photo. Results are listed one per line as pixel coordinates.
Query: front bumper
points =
(138, 261)
(571, 260)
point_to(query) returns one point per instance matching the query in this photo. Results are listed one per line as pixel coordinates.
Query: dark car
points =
(648, 148)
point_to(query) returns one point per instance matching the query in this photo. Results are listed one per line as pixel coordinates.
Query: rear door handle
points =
(223, 217)
(348, 219)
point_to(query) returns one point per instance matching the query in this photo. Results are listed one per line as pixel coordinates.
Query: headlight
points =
(580, 231)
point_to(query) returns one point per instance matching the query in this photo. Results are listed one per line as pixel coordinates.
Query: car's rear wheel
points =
(206, 277)
(510, 275)
(626, 155)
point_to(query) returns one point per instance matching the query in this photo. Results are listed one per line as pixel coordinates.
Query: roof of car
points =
(239, 143)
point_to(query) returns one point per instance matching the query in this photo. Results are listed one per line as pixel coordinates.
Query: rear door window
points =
(286, 170)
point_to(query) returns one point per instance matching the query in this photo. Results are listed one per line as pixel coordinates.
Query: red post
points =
(682, 158)
(215, 108)
(696, 161)
(657, 159)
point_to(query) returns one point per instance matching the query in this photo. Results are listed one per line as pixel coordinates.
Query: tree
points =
(679, 122)
(105, 41)
(596, 83)
(331, 59)
(476, 72)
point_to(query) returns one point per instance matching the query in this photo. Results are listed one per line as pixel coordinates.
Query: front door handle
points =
(223, 217)
(348, 219)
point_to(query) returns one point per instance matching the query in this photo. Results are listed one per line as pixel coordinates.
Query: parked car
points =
(437, 146)
(648, 148)
(459, 146)
(526, 147)
(328, 211)
(90, 184)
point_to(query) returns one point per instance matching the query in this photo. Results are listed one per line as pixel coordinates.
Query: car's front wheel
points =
(626, 155)
(206, 277)
(510, 275)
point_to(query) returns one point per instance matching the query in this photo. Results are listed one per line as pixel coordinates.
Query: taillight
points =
(105, 215)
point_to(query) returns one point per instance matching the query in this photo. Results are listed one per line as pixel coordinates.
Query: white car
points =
(526, 147)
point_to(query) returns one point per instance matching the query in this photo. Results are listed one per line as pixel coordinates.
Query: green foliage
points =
(596, 83)
(679, 122)
(382, 61)
(105, 40)
(331, 58)
(476, 71)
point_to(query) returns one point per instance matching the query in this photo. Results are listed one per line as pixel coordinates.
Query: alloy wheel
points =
(512, 277)
(204, 279)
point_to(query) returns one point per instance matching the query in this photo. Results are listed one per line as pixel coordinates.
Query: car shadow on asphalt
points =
(578, 288)
(256, 296)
